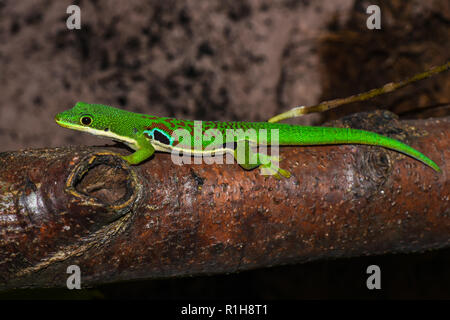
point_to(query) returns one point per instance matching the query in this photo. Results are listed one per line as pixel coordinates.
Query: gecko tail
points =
(372, 138)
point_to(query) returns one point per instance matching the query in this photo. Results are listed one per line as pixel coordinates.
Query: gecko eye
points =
(86, 120)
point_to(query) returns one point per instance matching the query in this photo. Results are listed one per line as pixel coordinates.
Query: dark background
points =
(217, 60)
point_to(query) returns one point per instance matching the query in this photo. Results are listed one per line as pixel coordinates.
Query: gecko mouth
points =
(61, 123)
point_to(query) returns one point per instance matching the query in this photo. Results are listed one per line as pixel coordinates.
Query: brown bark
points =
(84, 206)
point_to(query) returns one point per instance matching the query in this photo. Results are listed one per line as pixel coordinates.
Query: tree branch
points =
(85, 206)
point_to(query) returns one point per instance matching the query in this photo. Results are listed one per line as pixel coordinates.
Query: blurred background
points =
(237, 60)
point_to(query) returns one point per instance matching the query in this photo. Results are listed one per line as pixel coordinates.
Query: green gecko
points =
(147, 134)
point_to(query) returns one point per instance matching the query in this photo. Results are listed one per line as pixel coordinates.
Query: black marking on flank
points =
(106, 129)
(158, 136)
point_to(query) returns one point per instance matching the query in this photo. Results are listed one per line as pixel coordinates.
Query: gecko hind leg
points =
(268, 165)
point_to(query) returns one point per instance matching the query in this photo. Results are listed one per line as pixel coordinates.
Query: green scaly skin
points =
(145, 134)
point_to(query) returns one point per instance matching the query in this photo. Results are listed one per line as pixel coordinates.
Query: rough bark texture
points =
(85, 206)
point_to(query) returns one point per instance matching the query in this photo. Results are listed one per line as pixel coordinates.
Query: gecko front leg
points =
(144, 151)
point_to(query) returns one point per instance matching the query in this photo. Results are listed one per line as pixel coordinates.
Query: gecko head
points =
(96, 119)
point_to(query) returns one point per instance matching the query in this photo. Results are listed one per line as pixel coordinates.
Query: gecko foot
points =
(270, 167)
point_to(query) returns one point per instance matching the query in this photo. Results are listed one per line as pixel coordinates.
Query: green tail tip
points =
(433, 165)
